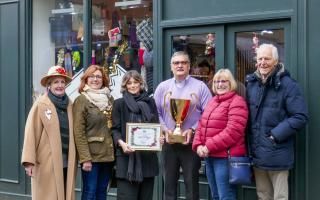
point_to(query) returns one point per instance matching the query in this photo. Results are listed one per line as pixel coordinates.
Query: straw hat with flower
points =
(53, 72)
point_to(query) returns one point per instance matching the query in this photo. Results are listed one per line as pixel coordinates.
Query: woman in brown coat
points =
(49, 155)
(92, 123)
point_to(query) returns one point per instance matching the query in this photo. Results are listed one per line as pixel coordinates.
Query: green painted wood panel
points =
(9, 89)
(12, 99)
(312, 53)
(172, 9)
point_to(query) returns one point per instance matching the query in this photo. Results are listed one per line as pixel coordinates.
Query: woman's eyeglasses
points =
(95, 77)
(180, 62)
(220, 81)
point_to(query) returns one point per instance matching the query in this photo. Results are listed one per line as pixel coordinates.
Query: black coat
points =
(276, 108)
(120, 115)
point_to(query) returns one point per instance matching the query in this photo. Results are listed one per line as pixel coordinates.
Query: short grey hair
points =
(273, 49)
(180, 53)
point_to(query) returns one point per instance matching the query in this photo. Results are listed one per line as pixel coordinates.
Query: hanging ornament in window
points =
(255, 45)
(210, 44)
(255, 41)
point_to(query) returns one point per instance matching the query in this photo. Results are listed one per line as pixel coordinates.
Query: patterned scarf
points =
(99, 98)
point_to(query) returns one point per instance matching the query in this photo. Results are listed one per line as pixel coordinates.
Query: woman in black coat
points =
(135, 170)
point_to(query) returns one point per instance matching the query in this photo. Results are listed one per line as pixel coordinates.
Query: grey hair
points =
(136, 76)
(180, 53)
(273, 49)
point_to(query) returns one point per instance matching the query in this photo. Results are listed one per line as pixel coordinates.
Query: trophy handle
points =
(196, 102)
(164, 102)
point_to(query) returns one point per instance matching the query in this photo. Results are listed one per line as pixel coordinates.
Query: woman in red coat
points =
(221, 128)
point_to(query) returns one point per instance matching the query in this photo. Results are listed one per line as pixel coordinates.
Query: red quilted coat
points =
(222, 126)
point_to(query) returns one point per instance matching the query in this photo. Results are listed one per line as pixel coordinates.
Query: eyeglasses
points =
(220, 81)
(180, 62)
(95, 76)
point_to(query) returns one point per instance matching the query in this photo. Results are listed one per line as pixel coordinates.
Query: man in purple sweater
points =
(176, 155)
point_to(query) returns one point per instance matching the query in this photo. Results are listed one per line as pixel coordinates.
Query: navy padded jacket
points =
(276, 108)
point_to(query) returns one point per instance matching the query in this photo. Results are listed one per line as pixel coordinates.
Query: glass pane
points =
(122, 36)
(201, 49)
(247, 42)
(57, 38)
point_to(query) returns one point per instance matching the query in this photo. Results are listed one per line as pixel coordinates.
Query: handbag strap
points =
(246, 138)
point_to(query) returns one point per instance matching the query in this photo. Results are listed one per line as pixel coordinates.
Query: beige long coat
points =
(42, 147)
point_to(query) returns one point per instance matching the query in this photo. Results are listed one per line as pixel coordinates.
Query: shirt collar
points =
(181, 84)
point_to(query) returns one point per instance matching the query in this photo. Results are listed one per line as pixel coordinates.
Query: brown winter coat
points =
(42, 147)
(92, 135)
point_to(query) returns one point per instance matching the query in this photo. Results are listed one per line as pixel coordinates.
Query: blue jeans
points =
(95, 182)
(218, 177)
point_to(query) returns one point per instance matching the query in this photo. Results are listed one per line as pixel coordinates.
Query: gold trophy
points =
(179, 109)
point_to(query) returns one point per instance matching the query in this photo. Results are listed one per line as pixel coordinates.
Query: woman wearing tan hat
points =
(49, 154)
(92, 123)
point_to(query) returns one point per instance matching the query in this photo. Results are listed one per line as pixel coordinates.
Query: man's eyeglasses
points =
(95, 76)
(220, 81)
(180, 62)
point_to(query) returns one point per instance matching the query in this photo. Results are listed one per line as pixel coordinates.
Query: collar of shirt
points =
(181, 84)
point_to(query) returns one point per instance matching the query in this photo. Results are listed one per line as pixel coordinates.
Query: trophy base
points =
(177, 138)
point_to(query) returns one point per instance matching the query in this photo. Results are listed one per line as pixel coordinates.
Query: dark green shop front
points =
(292, 25)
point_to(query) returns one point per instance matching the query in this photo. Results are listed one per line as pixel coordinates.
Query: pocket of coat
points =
(95, 139)
(95, 145)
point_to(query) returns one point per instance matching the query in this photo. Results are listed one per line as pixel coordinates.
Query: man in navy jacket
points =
(277, 112)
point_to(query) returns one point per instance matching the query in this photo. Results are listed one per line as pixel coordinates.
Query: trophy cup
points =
(179, 109)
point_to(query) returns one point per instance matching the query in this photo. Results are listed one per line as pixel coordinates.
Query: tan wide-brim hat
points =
(55, 71)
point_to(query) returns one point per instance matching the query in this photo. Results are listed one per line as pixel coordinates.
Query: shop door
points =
(225, 46)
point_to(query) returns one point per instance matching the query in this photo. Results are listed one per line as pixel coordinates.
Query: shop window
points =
(122, 37)
(57, 38)
(202, 51)
(247, 42)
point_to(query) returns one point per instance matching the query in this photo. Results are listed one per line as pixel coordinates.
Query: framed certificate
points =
(144, 136)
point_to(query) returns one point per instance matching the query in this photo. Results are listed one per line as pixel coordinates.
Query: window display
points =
(57, 38)
(122, 37)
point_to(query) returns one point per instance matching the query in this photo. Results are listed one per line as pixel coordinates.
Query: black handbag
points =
(240, 170)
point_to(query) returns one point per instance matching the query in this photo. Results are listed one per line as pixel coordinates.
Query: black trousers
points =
(135, 191)
(174, 157)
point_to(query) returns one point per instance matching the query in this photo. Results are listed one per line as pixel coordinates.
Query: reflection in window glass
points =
(57, 38)
(122, 37)
(247, 42)
(201, 49)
